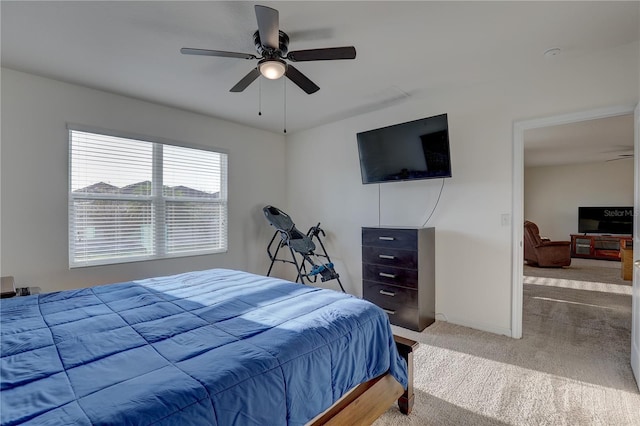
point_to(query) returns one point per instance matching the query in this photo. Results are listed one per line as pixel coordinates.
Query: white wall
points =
(35, 112)
(473, 250)
(553, 194)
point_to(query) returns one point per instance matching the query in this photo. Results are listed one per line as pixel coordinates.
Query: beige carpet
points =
(604, 271)
(570, 368)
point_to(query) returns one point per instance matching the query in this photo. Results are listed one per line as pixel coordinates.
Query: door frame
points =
(517, 252)
(635, 294)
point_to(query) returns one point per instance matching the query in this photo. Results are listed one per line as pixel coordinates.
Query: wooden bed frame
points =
(368, 401)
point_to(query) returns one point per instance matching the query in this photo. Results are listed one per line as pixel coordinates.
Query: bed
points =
(214, 347)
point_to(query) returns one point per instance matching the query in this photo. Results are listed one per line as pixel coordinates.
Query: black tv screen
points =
(414, 150)
(605, 220)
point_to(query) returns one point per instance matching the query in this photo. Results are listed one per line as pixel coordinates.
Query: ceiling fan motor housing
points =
(283, 48)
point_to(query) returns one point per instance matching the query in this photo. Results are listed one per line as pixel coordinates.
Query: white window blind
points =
(134, 200)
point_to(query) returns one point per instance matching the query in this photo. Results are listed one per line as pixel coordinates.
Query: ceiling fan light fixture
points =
(272, 69)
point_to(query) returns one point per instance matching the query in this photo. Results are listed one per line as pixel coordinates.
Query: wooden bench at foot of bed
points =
(368, 401)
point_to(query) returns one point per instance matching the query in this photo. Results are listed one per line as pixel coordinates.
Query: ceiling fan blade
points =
(268, 26)
(622, 157)
(207, 52)
(301, 80)
(246, 81)
(327, 54)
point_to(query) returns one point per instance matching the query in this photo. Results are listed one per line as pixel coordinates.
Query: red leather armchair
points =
(542, 252)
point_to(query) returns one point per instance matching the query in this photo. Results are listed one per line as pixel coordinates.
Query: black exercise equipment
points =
(311, 266)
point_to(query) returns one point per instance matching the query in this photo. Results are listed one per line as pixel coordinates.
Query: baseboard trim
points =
(480, 326)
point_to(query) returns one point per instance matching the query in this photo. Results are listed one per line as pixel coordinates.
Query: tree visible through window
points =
(132, 199)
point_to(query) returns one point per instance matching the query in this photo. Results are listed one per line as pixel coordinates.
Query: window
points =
(132, 199)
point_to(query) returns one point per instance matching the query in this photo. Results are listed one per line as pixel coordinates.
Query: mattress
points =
(214, 347)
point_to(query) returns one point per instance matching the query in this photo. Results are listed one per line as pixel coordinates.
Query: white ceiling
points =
(404, 50)
(592, 141)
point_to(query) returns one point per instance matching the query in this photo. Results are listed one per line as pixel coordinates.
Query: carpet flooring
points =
(570, 368)
(603, 271)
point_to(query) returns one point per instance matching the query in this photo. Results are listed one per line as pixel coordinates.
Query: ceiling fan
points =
(272, 46)
(621, 157)
(622, 153)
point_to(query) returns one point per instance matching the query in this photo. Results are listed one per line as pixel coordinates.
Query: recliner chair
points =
(543, 252)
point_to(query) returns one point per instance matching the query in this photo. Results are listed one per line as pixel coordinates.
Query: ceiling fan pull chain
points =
(259, 96)
(285, 104)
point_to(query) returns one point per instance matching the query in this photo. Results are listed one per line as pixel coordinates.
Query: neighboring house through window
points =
(138, 199)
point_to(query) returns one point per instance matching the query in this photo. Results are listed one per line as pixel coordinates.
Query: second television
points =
(414, 150)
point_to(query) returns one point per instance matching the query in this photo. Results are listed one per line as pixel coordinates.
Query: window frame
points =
(157, 199)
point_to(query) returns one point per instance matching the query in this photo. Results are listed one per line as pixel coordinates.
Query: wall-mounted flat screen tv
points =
(605, 220)
(414, 150)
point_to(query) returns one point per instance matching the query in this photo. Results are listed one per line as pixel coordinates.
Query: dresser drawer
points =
(392, 238)
(407, 259)
(390, 275)
(390, 296)
(403, 316)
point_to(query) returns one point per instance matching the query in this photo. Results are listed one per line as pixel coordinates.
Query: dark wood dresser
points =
(398, 273)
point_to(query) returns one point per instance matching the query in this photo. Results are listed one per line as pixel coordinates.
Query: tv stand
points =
(604, 247)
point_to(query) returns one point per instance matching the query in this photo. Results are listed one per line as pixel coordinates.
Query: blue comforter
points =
(217, 347)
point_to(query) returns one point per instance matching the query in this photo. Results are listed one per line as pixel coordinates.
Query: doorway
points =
(518, 195)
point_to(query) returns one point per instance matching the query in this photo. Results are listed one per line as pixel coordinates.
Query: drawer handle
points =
(386, 238)
(384, 274)
(386, 256)
(389, 312)
(387, 293)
